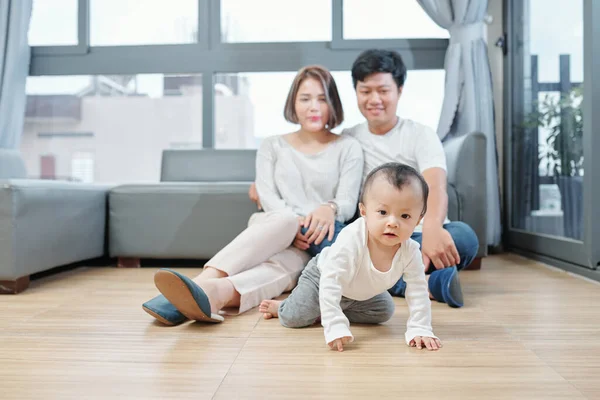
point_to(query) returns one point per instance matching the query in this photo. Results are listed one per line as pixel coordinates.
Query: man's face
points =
(378, 97)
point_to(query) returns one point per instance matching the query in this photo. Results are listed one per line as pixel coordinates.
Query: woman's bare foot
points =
(269, 308)
(221, 293)
(209, 273)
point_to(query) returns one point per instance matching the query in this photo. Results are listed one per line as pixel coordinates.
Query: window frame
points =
(209, 55)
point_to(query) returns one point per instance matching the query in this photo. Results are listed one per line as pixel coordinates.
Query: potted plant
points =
(562, 120)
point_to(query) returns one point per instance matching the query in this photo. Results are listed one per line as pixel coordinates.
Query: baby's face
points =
(392, 214)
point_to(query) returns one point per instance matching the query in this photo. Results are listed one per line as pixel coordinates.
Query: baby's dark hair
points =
(398, 175)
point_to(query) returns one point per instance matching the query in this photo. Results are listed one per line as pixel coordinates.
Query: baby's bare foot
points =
(269, 308)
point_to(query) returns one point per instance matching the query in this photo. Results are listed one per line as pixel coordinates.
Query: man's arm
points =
(437, 244)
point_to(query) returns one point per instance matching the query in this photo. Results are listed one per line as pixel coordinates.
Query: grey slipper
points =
(185, 295)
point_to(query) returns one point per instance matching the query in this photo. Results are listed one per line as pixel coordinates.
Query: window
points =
(53, 23)
(275, 20)
(121, 122)
(388, 19)
(134, 22)
(82, 167)
(252, 107)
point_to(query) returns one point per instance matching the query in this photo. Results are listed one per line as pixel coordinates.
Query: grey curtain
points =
(468, 100)
(14, 68)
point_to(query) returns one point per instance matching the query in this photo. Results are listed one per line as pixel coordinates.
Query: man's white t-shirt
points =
(408, 142)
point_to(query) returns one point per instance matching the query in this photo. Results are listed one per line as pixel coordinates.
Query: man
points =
(378, 77)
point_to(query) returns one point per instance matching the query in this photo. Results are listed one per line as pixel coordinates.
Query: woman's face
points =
(311, 107)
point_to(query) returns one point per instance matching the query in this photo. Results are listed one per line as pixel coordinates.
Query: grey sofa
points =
(202, 202)
(200, 205)
(466, 163)
(45, 224)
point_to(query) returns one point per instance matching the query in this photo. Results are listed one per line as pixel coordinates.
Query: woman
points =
(308, 183)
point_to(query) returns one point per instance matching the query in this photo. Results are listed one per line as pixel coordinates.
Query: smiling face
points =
(311, 106)
(313, 101)
(391, 213)
(377, 98)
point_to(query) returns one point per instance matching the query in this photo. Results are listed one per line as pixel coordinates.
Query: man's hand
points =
(338, 344)
(253, 194)
(438, 248)
(301, 241)
(429, 342)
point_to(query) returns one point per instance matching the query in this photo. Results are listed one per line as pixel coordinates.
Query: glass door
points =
(548, 129)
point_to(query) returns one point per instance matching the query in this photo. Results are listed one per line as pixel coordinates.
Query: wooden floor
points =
(526, 332)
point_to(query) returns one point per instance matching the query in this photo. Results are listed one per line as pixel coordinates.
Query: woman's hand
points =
(301, 240)
(320, 223)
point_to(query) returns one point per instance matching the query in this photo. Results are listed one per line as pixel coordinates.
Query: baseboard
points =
(564, 265)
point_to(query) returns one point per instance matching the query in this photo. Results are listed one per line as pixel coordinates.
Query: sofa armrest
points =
(466, 163)
(45, 224)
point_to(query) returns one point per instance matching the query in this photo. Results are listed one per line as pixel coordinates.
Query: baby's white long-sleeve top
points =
(347, 270)
(287, 178)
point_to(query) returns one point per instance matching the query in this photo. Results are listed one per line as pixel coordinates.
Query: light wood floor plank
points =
(526, 332)
(340, 380)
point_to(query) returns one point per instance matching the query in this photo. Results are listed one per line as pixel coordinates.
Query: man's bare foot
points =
(269, 308)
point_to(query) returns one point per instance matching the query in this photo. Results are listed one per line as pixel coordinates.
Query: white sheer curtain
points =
(468, 99)
(14, 68)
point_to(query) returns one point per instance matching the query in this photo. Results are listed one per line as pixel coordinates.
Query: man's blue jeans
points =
(466, 243)
(464, 238)
(315, 249)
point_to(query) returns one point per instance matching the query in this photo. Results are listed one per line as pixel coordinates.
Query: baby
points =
(348, 281)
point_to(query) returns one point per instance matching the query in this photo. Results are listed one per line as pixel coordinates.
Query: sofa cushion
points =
(208, 165)
(191, 220)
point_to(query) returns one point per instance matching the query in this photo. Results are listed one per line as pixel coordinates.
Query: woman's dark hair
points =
(332, 97)
(374, 61)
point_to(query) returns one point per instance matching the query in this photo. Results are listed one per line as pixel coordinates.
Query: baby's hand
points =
(429, 342)
(339, 343)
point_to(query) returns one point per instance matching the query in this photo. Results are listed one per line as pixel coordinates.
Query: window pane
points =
(421, 98)
(251, 106)
(53, 23)
(388, 19)
(275, 21)
(82, 167)
(134, 22)
(547, 179)
(109, 129)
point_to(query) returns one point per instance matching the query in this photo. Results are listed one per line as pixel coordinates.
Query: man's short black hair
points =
(398, 175)
(375, 60)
